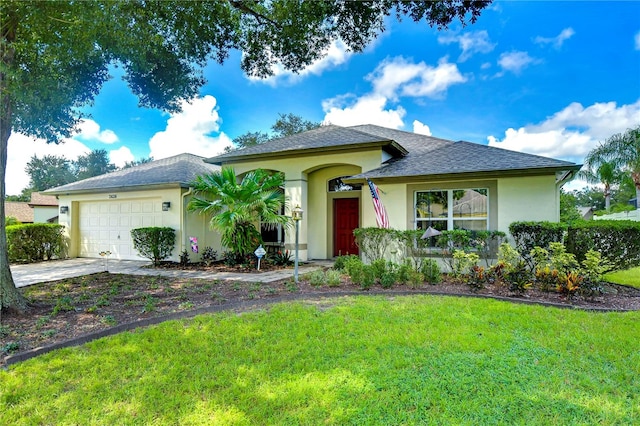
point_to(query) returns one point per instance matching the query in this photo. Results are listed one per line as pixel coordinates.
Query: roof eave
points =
(127, 188)
(397, 150)
(469, 175)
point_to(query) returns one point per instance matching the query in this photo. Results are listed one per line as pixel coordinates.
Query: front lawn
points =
(348, 360)
(630, 277)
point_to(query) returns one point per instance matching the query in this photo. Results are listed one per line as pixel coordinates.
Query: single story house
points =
(422, 181)
(18, 210)
(45, 208)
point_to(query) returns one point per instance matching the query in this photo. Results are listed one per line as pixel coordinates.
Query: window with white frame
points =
(452, 209)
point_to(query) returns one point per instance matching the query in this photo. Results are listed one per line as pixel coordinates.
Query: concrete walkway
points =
(33, 273)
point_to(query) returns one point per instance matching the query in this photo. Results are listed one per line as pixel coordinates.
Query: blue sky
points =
(547, 78)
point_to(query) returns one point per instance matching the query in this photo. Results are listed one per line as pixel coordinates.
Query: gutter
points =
(183, 218)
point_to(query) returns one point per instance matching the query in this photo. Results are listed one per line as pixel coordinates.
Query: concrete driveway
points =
(33, 273)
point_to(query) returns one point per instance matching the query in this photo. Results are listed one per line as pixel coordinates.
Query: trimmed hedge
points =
(528, 235)
(154, 243)
(34, 242)
(617, 240)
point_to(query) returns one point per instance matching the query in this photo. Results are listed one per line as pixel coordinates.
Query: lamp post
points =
(296, 214)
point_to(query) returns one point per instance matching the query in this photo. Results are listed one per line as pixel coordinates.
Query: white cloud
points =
(391, 80)
(337, 54)
(572, 132)
(190, 131)
(421, 128)
(558, 40)
(20, 150)
(515, 62)
(470, 43)
(121, 156)
(399, 76)
(365, 110)
(637, 40)
(89, 130)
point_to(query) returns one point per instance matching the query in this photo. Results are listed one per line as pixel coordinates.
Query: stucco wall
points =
(530, 198)
(194, 224)
(42, 214)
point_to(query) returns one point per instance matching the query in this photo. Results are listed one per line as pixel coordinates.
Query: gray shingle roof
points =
(322, 138)
(421, 155)
(465, 157)
(179, 170)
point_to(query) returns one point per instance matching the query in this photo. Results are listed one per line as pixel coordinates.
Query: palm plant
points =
(237, 207)
(621, 150)
(596, 171)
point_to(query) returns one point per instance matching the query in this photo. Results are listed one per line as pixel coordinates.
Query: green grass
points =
(359, 361)
(630, 277)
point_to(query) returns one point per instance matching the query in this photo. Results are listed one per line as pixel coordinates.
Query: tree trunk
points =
(10, 297)
(607, 197)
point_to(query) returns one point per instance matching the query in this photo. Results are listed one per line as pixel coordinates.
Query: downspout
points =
(183, 215)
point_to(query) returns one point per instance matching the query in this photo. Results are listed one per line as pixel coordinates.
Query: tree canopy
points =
(285, 125)
(55, 56)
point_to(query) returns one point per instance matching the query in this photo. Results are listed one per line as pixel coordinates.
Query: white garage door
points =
(107, 225)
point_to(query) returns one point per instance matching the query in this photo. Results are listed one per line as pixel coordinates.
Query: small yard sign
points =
(260, 252)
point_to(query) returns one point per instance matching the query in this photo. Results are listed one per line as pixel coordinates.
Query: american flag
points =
(381, 212)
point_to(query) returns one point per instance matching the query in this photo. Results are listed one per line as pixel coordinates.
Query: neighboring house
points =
(100, 212)
(586, 212)
(422, 180)
(21, 211)
(45, 208)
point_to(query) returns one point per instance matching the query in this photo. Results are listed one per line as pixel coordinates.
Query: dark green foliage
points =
(431, 271)
(236, 207)
(528, 235)
(341, 262)
(379, 267)
(154, 243)
(33, 242)
(388, 278)
(184, 257)
(519, 278)
(281, 258)
(368, 277)
(208, 256)
(617, 240)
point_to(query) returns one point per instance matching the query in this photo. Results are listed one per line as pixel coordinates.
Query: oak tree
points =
(55, 55)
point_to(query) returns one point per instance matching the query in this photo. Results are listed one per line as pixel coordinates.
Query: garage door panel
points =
(107, 225)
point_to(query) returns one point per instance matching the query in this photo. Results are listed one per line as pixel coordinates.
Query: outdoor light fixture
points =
(296, 215)
(64, 209)
(166, 206)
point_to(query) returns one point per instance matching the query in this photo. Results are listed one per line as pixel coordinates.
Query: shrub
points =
(334, 278)
(463, 262)
(154, 243)
(415, 279)
(352, 263)
(528, 235)
(208, 256)
(431, 271)
(388, 278)
(341, 261)
(518, 277)
(33, 242)
(403, 272)
(368, 277)
(379, 267)
(415, 249)
(317, 278)
(184, 257)
(374, 242)
(486, 243)
(281, 258)
(617, 240)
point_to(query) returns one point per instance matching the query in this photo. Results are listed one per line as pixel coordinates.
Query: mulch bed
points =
(61, 311)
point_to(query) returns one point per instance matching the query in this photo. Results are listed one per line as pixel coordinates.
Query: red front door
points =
(346, 218)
